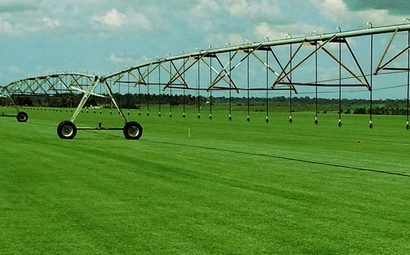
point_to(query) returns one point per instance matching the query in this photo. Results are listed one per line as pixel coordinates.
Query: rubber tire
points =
(66, 130)
(22, 117)
(132, 130)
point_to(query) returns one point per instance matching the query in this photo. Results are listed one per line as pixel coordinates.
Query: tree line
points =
(135, 101)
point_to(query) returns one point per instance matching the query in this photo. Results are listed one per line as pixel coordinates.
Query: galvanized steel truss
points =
(260, 66)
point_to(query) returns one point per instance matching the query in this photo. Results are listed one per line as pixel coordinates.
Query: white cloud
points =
(255, 10)
(139, 20)
(202, 15)
(113, 58)
(112, 18)
(337, 11)
(264, 29)
(116, 19)
(14, 69)
(237, 7)
(51, 23)
(6, 28)
(218, 40)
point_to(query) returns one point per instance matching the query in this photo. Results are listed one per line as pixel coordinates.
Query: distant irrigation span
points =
(359, 60)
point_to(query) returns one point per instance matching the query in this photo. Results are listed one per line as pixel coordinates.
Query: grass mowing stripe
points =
(101, 194)
(287, 158)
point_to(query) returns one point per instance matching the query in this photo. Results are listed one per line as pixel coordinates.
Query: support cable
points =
(371, 80)
(267, 87)
(290, 81)
(170, 90)
(408, 84)
(159, 92)
(230, 87)
(340, 85)
(316, 87)
(139, 99)
(148, 95)
(119, 94)
(248, 118)
(184, 92)
(129, 95)
(110, 87)
(210, 91)
(198, 90)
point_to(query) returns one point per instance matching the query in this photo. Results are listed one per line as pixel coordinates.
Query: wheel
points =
(22, 117)
(66, 130)
(132, 130)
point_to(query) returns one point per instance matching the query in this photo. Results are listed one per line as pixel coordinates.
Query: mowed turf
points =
(196, 186)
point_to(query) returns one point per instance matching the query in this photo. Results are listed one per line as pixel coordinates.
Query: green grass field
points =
(195, 186)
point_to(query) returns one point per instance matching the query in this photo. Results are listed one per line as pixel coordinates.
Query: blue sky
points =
(101, 37)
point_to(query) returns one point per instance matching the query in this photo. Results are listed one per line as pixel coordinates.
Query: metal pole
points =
(371, 80)
(198, 90)
(184, 91)
(316, 89)
(267, 87)
(170, 90)
(290, 81)
(230, 87)
(85, 97)
(340, 85)
(408, 83)
(148, 95)
(210, 91)
(159, 91)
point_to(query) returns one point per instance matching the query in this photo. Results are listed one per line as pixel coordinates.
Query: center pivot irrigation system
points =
(69, 84)
(21, 116)
(336, 60)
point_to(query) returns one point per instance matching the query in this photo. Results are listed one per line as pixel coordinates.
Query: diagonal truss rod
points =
(220, 76)
(184, 69)
(285, 74)
(384, 67)
(228, 80)
(366, 82)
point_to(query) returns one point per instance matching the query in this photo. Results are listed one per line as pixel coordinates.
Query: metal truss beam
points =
(182, 65)
(321, 46)
(223, 69)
